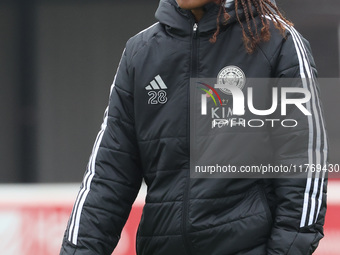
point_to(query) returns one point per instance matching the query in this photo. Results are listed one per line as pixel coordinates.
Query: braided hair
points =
(253, 36)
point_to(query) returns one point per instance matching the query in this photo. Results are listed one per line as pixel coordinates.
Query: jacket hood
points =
(180, 21)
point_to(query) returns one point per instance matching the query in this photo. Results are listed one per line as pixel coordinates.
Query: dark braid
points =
(251, 42)
(278, 23)
(265, 9)
(265, 34)
(245, 37)
(226, 17)
(252, 17)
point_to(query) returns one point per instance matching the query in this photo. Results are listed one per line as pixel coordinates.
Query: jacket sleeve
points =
(112, 179)
(300, 202)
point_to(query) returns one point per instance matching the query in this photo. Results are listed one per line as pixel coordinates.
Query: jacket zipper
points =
(193, 74)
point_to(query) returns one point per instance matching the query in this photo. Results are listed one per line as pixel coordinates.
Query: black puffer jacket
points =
(145, 134)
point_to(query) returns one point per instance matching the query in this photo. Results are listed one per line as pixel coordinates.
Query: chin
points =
(185, 4)
(193, 4)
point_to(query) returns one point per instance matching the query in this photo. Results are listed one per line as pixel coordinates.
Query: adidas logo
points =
(157, 93)
(156, 84)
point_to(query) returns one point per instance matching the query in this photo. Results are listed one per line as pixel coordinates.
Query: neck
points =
(198, 13)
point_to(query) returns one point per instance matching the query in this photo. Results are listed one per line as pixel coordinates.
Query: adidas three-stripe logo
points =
(156, 84)
(157, 93)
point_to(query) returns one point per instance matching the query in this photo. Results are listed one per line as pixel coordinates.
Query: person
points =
(145, 135)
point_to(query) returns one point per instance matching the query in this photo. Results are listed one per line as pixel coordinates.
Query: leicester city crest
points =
(231, 75)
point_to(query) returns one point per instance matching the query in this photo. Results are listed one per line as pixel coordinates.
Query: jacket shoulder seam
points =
(271, 58)
(140, 39)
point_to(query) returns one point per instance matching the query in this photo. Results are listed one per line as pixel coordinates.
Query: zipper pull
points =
(195, 30)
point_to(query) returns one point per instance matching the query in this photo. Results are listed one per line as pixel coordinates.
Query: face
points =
(194, 4)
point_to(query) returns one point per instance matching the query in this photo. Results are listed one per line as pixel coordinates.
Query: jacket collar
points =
(180, 22)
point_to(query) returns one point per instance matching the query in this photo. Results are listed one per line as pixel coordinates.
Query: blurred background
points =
(57, 62)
